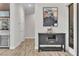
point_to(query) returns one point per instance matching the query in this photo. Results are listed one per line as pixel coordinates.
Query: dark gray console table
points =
(51, 39)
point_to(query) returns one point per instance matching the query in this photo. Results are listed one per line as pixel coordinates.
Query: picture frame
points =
(50, 16)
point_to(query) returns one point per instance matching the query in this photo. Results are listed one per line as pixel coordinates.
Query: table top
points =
(51, 33)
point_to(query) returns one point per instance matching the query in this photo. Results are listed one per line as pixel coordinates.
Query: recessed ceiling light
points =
(29, 5)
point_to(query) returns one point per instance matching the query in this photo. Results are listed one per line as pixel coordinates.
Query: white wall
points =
(29, 26)
(15, 25)
(22, 22)
(62, 20)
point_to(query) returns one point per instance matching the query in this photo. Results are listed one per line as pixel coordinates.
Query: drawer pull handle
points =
(51, 41)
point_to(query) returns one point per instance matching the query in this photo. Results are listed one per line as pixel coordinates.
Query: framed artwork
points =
(4, 24)
(50, 16)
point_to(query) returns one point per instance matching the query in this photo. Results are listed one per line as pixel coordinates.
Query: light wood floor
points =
(27, 49)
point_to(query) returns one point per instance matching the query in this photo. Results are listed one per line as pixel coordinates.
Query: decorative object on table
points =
(50, 16)
(50, 29)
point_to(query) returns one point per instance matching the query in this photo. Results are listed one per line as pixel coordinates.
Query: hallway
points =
(27, 49)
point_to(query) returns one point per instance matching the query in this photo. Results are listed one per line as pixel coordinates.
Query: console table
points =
(51, 39)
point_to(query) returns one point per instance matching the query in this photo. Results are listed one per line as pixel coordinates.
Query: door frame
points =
(69, 25)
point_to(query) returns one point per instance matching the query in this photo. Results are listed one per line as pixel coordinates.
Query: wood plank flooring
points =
(26, 48)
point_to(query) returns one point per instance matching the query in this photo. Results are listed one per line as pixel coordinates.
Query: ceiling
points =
(29, 8)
